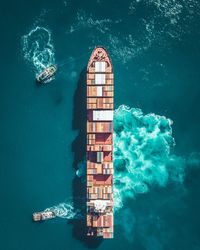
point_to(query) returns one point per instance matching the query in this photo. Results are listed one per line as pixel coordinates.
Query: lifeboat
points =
(47, 74)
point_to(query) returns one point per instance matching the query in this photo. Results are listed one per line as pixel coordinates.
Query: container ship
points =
(100, 95)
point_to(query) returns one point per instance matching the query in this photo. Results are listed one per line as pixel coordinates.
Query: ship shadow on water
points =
(79, 150)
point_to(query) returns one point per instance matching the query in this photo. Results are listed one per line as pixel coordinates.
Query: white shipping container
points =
(100, 79)
(102, 115)
(99, 91)
(100, 66)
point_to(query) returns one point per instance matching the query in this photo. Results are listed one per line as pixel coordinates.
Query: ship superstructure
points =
(100, 93)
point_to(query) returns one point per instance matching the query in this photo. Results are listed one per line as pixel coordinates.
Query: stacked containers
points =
(100, 92)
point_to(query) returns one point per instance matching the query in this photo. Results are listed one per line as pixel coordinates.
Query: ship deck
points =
(100, 104)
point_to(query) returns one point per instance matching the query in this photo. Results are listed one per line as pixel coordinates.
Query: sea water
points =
(154, 46)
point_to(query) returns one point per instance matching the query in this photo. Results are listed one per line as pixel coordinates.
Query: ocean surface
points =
(155, 49)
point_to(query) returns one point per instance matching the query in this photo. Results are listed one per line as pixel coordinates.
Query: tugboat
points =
(47, 74)
(44, 215)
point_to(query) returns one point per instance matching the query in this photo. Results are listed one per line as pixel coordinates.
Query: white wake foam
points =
(64, 210)
(38, 48)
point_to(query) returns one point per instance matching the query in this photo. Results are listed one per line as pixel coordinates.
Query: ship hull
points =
(44, 215)
(100, 105)
(47, 74)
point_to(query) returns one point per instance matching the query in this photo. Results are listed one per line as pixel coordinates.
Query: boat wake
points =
(81, 172)
(144, 163)
(38, 48)
(142, 155)
(64, 210)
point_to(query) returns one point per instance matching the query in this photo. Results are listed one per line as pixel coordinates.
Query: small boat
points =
(47, 74)
(44, 215)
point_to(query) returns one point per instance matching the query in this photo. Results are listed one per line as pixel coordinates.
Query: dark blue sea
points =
(155, 50)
